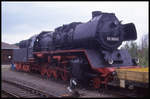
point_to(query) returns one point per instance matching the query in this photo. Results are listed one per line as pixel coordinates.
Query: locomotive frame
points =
(97, 76)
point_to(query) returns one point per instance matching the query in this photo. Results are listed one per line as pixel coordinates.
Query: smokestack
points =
(96, 13)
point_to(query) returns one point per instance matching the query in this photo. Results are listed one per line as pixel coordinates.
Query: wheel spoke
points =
(96, 82)
(64, 76)
(49, 73)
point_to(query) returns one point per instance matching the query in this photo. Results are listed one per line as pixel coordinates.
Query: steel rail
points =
(10, 94)
(37, 92)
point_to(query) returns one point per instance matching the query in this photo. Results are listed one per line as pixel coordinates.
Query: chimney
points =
(96, 13)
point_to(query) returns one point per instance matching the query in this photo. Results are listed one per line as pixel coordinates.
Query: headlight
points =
(114, 73)
(37, 40)
(110, 61)
(137, 61)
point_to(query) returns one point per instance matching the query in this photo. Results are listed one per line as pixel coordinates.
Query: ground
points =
(56, 88)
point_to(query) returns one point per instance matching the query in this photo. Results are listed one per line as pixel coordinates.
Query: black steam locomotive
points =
(81, 50)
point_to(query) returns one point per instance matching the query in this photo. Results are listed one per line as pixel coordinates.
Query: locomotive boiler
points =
(103, 31)
(85, 51)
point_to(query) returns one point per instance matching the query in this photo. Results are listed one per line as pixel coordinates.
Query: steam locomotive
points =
(85, 51)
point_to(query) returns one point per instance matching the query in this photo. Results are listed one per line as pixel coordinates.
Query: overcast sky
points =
(21, 20)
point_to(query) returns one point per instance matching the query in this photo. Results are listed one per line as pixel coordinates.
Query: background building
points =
(7, 52)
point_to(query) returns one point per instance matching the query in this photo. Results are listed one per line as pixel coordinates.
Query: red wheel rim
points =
(49, 73)
(64, 76)
(17, 67)
(96, 83)
(43, 71)
(54, 74)
(24, 67)
(28, 68)
(20, 67)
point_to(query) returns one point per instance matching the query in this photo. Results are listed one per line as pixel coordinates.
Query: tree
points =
(133, 49)
(143, 53)
(144, 43)
(139, 51)
(17, 44)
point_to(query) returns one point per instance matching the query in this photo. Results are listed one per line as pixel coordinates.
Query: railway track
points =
(6, 94)
(116, 90)
(83, 92)
(22, 91)
(113, 91)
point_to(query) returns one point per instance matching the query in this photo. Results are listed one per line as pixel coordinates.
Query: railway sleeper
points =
(30, 89)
